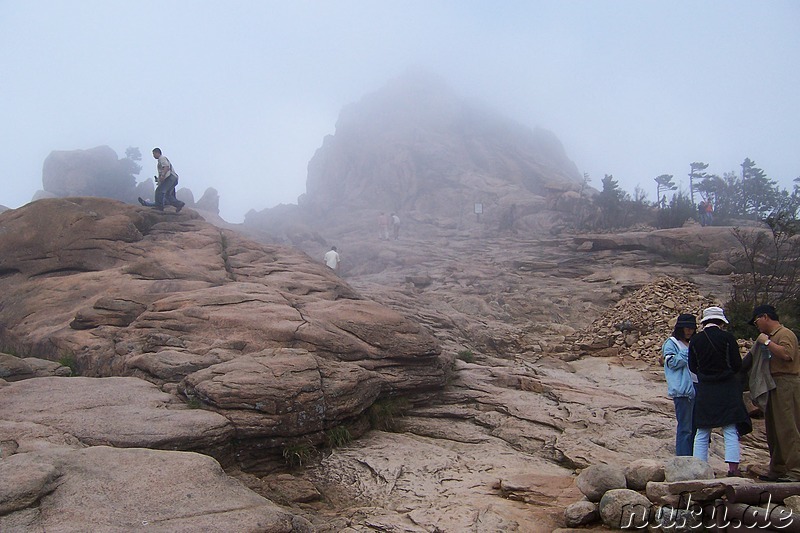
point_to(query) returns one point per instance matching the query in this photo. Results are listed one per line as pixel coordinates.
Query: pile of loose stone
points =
(638, 324)
(680, 494)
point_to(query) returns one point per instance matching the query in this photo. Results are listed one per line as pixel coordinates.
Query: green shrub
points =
(297, 454)
(69, 361)
(338, 437)
(193, 403)
(383, 413)
(466, 355)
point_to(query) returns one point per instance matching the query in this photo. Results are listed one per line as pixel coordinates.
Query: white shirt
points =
(164, 168)
(332, 259)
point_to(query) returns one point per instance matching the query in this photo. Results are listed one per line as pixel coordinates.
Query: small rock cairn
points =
(681, 495)
(637, 325)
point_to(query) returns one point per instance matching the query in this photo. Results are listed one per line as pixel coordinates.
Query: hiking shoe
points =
(141, 201)
(178, 209)
(768, 477)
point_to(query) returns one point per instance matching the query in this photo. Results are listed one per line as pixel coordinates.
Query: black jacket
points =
(714, 357)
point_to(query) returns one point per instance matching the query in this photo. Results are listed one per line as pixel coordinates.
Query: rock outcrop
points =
(263, 335)
(80, 489)
(93, 172)
(416, 148)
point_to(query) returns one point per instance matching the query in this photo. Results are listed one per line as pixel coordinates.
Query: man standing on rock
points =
(167, 180)
(782, 416)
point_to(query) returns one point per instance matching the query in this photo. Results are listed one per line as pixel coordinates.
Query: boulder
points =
(640, 472)
(581, 513)
(720, 268)
(93, 172)
(793, 503)
(687, 468)
(624, 509)
(209, 201)
(595, 480)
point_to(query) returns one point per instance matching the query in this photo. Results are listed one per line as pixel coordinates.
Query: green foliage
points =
(610, 202)
(679, 210)
(10, 350)
(193, 403)
(664, 183)
(133, 153)
(696, 174)
(68, 360)
(466, 355)
(771, 269)
(338, 437)
(383, 414)
(297, 455)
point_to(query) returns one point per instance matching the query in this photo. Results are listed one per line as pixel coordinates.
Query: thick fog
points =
(240, 94)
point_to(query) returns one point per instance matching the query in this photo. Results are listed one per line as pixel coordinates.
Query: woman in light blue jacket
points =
(680, 382)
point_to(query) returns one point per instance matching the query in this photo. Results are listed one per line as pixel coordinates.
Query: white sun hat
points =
(711, 313)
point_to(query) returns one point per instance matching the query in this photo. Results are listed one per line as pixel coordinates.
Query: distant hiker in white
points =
(332, 258)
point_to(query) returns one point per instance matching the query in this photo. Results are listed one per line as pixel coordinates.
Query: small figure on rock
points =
(167, 180)
(332, 259)
(701, 212)
(395, 226)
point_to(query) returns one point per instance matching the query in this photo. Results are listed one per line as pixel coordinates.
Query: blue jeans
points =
(731, 436)
(684, 435)
(165, 192)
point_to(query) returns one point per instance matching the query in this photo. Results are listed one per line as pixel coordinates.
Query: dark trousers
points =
(165, 192)
(684, 435)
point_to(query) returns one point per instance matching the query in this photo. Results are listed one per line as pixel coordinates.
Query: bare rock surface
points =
(123, 412)
(64, 489)
(504, 348)
(531, 397)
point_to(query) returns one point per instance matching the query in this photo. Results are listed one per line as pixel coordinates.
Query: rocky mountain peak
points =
(415, 146)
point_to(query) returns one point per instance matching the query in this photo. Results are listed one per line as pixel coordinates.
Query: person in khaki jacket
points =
(782, 416)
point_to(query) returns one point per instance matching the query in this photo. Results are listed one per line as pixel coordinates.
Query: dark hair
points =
(157, 150)
(678, 332)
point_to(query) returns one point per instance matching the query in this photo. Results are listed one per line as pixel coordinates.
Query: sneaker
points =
(768, 477)
(141, 201)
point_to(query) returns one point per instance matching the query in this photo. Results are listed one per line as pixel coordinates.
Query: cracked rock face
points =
(261, 334)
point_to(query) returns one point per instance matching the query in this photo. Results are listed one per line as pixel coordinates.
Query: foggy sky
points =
(240, 94)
